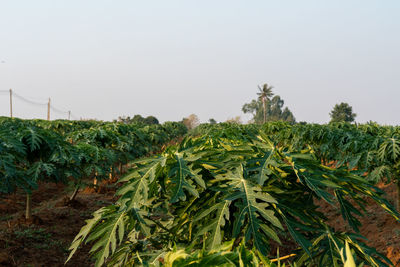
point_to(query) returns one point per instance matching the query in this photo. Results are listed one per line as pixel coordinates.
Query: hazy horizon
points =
(169, 59)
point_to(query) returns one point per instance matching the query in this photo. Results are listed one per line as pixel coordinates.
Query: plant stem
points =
(28, 212)
(265, 111)
(283, 258)
(111, 174)
(74, 193)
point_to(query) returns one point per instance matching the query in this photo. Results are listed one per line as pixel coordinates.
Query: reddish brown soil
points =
(44, 240)
(379, 227)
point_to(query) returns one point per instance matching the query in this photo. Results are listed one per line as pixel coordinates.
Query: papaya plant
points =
(70, 151)
(45, 159)
(88, 161)
(388, 165)
(210, 190)
(12, 151)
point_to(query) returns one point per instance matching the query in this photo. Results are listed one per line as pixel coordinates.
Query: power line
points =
(28, 101)
(63, 112)
(74, 117)
(59, 111)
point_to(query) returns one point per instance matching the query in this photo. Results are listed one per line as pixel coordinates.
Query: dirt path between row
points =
(46, 242)
(380, 228)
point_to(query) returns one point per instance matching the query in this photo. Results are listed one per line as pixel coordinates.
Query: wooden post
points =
(11, 115)
(48, 110)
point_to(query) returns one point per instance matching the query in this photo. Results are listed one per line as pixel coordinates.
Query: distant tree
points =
(256, 109)
(191, 122)
(138, 119)
(236, 120)
(287, 115)
(212, 121)
(123, 119)
(266, 108)
(342, 112)
(264, 95)
(151, 120)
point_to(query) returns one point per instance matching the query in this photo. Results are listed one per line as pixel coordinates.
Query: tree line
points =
(269, 107)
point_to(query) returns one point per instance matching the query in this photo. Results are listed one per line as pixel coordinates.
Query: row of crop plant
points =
(70, 151)
(228, 195)
(372, 149)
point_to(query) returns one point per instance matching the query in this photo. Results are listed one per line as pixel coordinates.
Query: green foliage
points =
(224, 184)
(212, 121)
(342, 112)
(235, 187)
(268, 107)
(68, 151)
(255, 108)
(274, 111)
(33, 150)
(149, 120)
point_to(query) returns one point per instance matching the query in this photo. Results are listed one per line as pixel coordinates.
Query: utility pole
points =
(69, 114)
(11, 103)
(48, 110)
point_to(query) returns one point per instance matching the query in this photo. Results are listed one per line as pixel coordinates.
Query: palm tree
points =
(264, 95)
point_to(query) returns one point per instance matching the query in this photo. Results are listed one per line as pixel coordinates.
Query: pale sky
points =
(103, 59)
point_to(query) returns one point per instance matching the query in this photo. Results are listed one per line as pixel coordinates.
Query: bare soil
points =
(380, 228)
(44, 240)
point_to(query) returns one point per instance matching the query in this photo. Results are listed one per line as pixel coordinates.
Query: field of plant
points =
(68, 152)
(224, 195)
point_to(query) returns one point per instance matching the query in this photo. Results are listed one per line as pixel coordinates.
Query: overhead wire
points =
(74, 117)
(56, 110)
(28, 101)
(61, 112)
